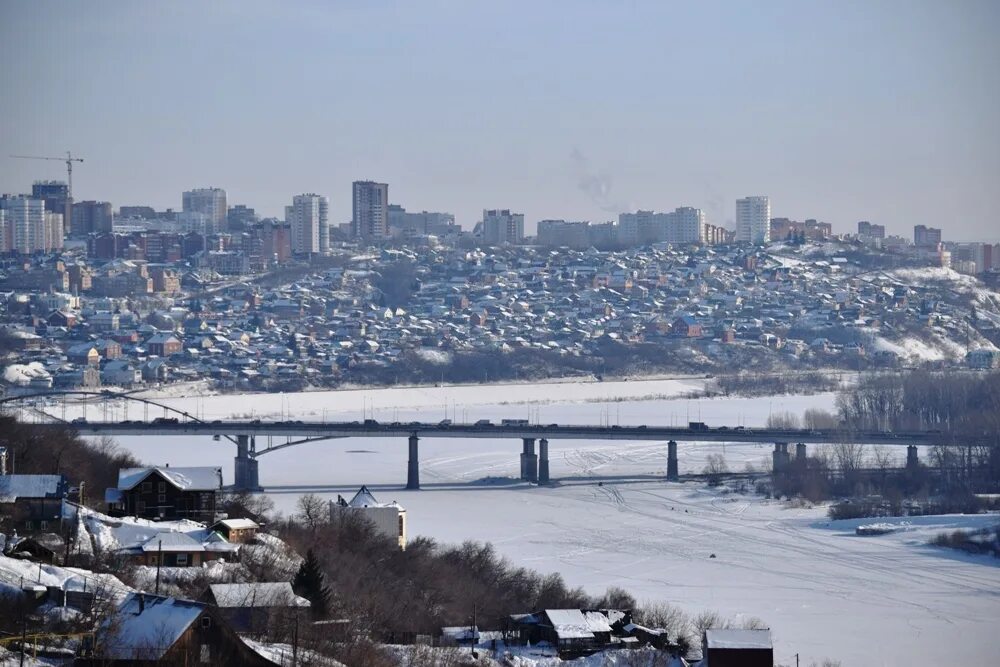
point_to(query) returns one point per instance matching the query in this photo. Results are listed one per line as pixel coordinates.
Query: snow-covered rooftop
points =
(270, 594)
(187, 479)
(13, 487)
(172, 542)
(576, 624)
(753, 639)
(146, 626)
(237, 524)
(365, 498)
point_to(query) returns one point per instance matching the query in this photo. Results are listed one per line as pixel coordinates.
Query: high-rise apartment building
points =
(370, 221)
(753, 219)
(682, 225)
(563, 233)
(406, 224)
(926, 237)
(502, 226)
(686, 225)
(28, 227)
(867, 230)
(91, 217)
(209, 201)
(57, 198)
(308, 219)
(241, 217)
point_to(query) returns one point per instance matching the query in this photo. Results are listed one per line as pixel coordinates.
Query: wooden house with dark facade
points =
(152, 629)
(166, 493)
(737, 648)
(31, 503)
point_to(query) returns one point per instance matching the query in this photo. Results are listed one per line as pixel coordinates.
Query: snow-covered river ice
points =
(611, 519)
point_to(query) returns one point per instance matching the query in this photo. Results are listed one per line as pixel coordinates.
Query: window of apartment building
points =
(162, 498)
(162, 487)
(147, 487)
(44, 525)
(140, 507)
(182, 559)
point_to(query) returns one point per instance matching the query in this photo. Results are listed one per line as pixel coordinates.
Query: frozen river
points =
(886, 600)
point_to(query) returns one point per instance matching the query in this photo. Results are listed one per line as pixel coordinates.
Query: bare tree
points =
(783, 421)
(817, 419)
(849, 456)
(715, 468)
(312, 511)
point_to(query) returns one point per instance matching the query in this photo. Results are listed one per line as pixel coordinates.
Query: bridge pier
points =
(413, 465)
(245, 476)
(543, 461)
(529, 461)
(912, 462)
(800, 451)
(780, 458)
(672, 472)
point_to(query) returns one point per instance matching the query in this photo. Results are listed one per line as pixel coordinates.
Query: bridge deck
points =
(494, 431)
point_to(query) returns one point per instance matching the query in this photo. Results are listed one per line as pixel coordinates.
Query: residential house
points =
(169, 493)
(172, 549)
(120, 374)
(737, 648)
(686, 327)
(30, 503)
(84, 354)
(254, 607)
(153, 629)
(163, 345)
(571, 631)
(237, 531)
(389, 518)
(155, 370)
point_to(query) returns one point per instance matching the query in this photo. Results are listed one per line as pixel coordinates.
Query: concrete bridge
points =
(534, 466)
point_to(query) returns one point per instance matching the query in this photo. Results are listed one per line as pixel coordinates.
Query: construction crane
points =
(69, 160)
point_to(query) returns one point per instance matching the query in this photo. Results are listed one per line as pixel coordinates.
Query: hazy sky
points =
(879, 110)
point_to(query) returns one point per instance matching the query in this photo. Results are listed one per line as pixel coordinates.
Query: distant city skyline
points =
(581, 112)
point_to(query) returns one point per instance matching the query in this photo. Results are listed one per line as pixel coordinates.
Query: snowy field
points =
(825, 592)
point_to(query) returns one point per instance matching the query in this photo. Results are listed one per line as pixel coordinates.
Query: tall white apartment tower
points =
(502, 226)
(309, 222)
(209, 201)
(371, 210)
(26, 227)
(753, 219)
(686, 225)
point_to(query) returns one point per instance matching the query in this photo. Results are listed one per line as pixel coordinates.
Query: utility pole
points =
(159, 562)
(472, 643)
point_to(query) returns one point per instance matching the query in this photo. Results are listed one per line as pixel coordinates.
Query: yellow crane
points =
(69, 160)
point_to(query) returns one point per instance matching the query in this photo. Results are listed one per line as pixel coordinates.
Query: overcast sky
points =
(843, 111)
